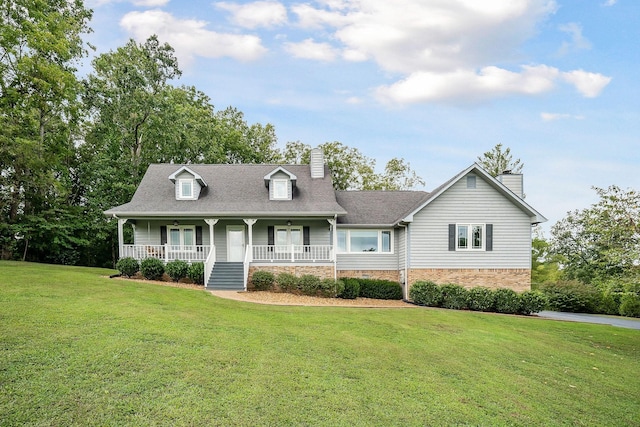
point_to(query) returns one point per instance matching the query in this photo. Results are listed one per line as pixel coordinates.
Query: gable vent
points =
(317, 163)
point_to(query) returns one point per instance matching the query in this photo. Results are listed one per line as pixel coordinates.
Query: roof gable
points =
(196, 176)
(535, 216)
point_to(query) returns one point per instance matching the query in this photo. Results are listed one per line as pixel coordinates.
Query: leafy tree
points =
(601, 242)
(497, 160)
(352, 170)
(544, 264)
(40, 42)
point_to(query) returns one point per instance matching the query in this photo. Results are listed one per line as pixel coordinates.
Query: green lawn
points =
(81, 349)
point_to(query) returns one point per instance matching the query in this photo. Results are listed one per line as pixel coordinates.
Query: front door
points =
(235, 243)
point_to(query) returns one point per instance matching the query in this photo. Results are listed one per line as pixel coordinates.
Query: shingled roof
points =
(232, 190)
(378, 207)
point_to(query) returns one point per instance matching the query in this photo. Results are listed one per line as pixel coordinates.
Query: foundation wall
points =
(518, 279)
(321, 271)
(393, 275)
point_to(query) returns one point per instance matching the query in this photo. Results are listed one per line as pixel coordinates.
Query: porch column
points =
(121, 222)
(250, 223)
(334, 240)
(211, 223)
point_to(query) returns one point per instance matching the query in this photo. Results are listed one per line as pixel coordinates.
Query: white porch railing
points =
(292, 253)
(208, 265)
(195, 253)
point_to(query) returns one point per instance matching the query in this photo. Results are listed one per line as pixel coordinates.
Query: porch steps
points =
(226, 276)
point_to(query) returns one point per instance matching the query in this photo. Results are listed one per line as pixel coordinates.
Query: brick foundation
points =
(321, 271)
(393, 275)
(518, 279)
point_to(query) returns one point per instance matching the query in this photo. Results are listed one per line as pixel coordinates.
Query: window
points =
(470, 236)
(183, 236)
(287, 236)
(362, 241)
(280, 189)
(471, 181)
(186, 189)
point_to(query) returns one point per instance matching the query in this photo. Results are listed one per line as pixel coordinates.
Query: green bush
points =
(380, 289)
(128, 266)
(330, 288)
(426, 293)
(454, 296)
(309, 284)
(152, 268)
(506, 301)
(177, 270)
(481, 299)
(263, 280)
(572, 296)
(287, 282)
(532, 302)
(630, 305)
(351, 289)
(196, 273)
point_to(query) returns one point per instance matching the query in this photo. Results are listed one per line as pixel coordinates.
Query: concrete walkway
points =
(622, 322)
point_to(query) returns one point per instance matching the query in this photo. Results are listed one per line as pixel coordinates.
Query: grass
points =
(77, 348)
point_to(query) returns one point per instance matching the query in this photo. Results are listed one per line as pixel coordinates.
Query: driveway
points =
(622, 322)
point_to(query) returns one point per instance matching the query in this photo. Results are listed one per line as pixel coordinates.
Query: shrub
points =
(287, 282)
(426, 293)
(330, 288)
(481, 299)
(128, 266)
(630, 305)
(454, 296)
(506, 301)
(196, 273)
(177, 269)
(380, 289)
(572, 296)
(532, 302)
(309, 284)
(351, 288)
(263, 280)
(152, 268)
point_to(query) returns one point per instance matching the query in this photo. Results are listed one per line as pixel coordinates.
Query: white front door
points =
(235, 243)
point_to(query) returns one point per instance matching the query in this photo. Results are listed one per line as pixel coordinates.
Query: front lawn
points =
(77, 348)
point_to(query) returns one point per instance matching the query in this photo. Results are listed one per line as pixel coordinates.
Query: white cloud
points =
(257, 14)
(445, 51)
(150, 3)
(190, 38)
(610, 2)
(578, 41)
(588, 84)
(547, 117)
(309, 49)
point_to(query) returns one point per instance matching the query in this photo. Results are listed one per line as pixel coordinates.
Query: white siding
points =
(370, 260)
(482, 205)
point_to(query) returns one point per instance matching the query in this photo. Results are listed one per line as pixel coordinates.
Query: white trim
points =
(182, 181)
(469, 237)
(283, 184)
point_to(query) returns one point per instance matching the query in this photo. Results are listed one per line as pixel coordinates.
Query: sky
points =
(435, 82)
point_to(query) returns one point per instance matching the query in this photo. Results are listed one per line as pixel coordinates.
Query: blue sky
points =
(436, 82)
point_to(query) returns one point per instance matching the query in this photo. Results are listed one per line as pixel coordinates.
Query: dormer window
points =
(280, 189)
(186, 189)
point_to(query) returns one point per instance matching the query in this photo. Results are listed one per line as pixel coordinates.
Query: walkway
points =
(622, 322)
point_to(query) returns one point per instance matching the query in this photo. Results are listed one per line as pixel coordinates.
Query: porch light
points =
(175, 222)
(289, 223)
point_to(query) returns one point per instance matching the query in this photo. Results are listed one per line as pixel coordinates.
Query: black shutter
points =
(452, 237)
(306, 239)
(163, 234)
(489, 243)
(198, 235)
(270, 236)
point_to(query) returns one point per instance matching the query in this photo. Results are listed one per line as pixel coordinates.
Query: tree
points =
(40, 42)
(498, 161)
(544, 264)
(352, 170)
(603, 241)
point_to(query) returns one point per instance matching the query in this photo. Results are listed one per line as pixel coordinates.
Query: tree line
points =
(72, 147)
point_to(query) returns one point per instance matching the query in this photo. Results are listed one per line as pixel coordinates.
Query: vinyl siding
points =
(280, 176)
(462, 205)
(370, 260)
(196, 185)
(148, 232)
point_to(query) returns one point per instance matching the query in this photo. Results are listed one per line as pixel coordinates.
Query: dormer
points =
(188, 184)
(280, 183)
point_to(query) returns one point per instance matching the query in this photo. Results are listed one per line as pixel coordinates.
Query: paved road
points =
(623, 322)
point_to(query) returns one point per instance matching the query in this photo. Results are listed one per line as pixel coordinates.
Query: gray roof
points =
(378, 207)
(232, 190)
